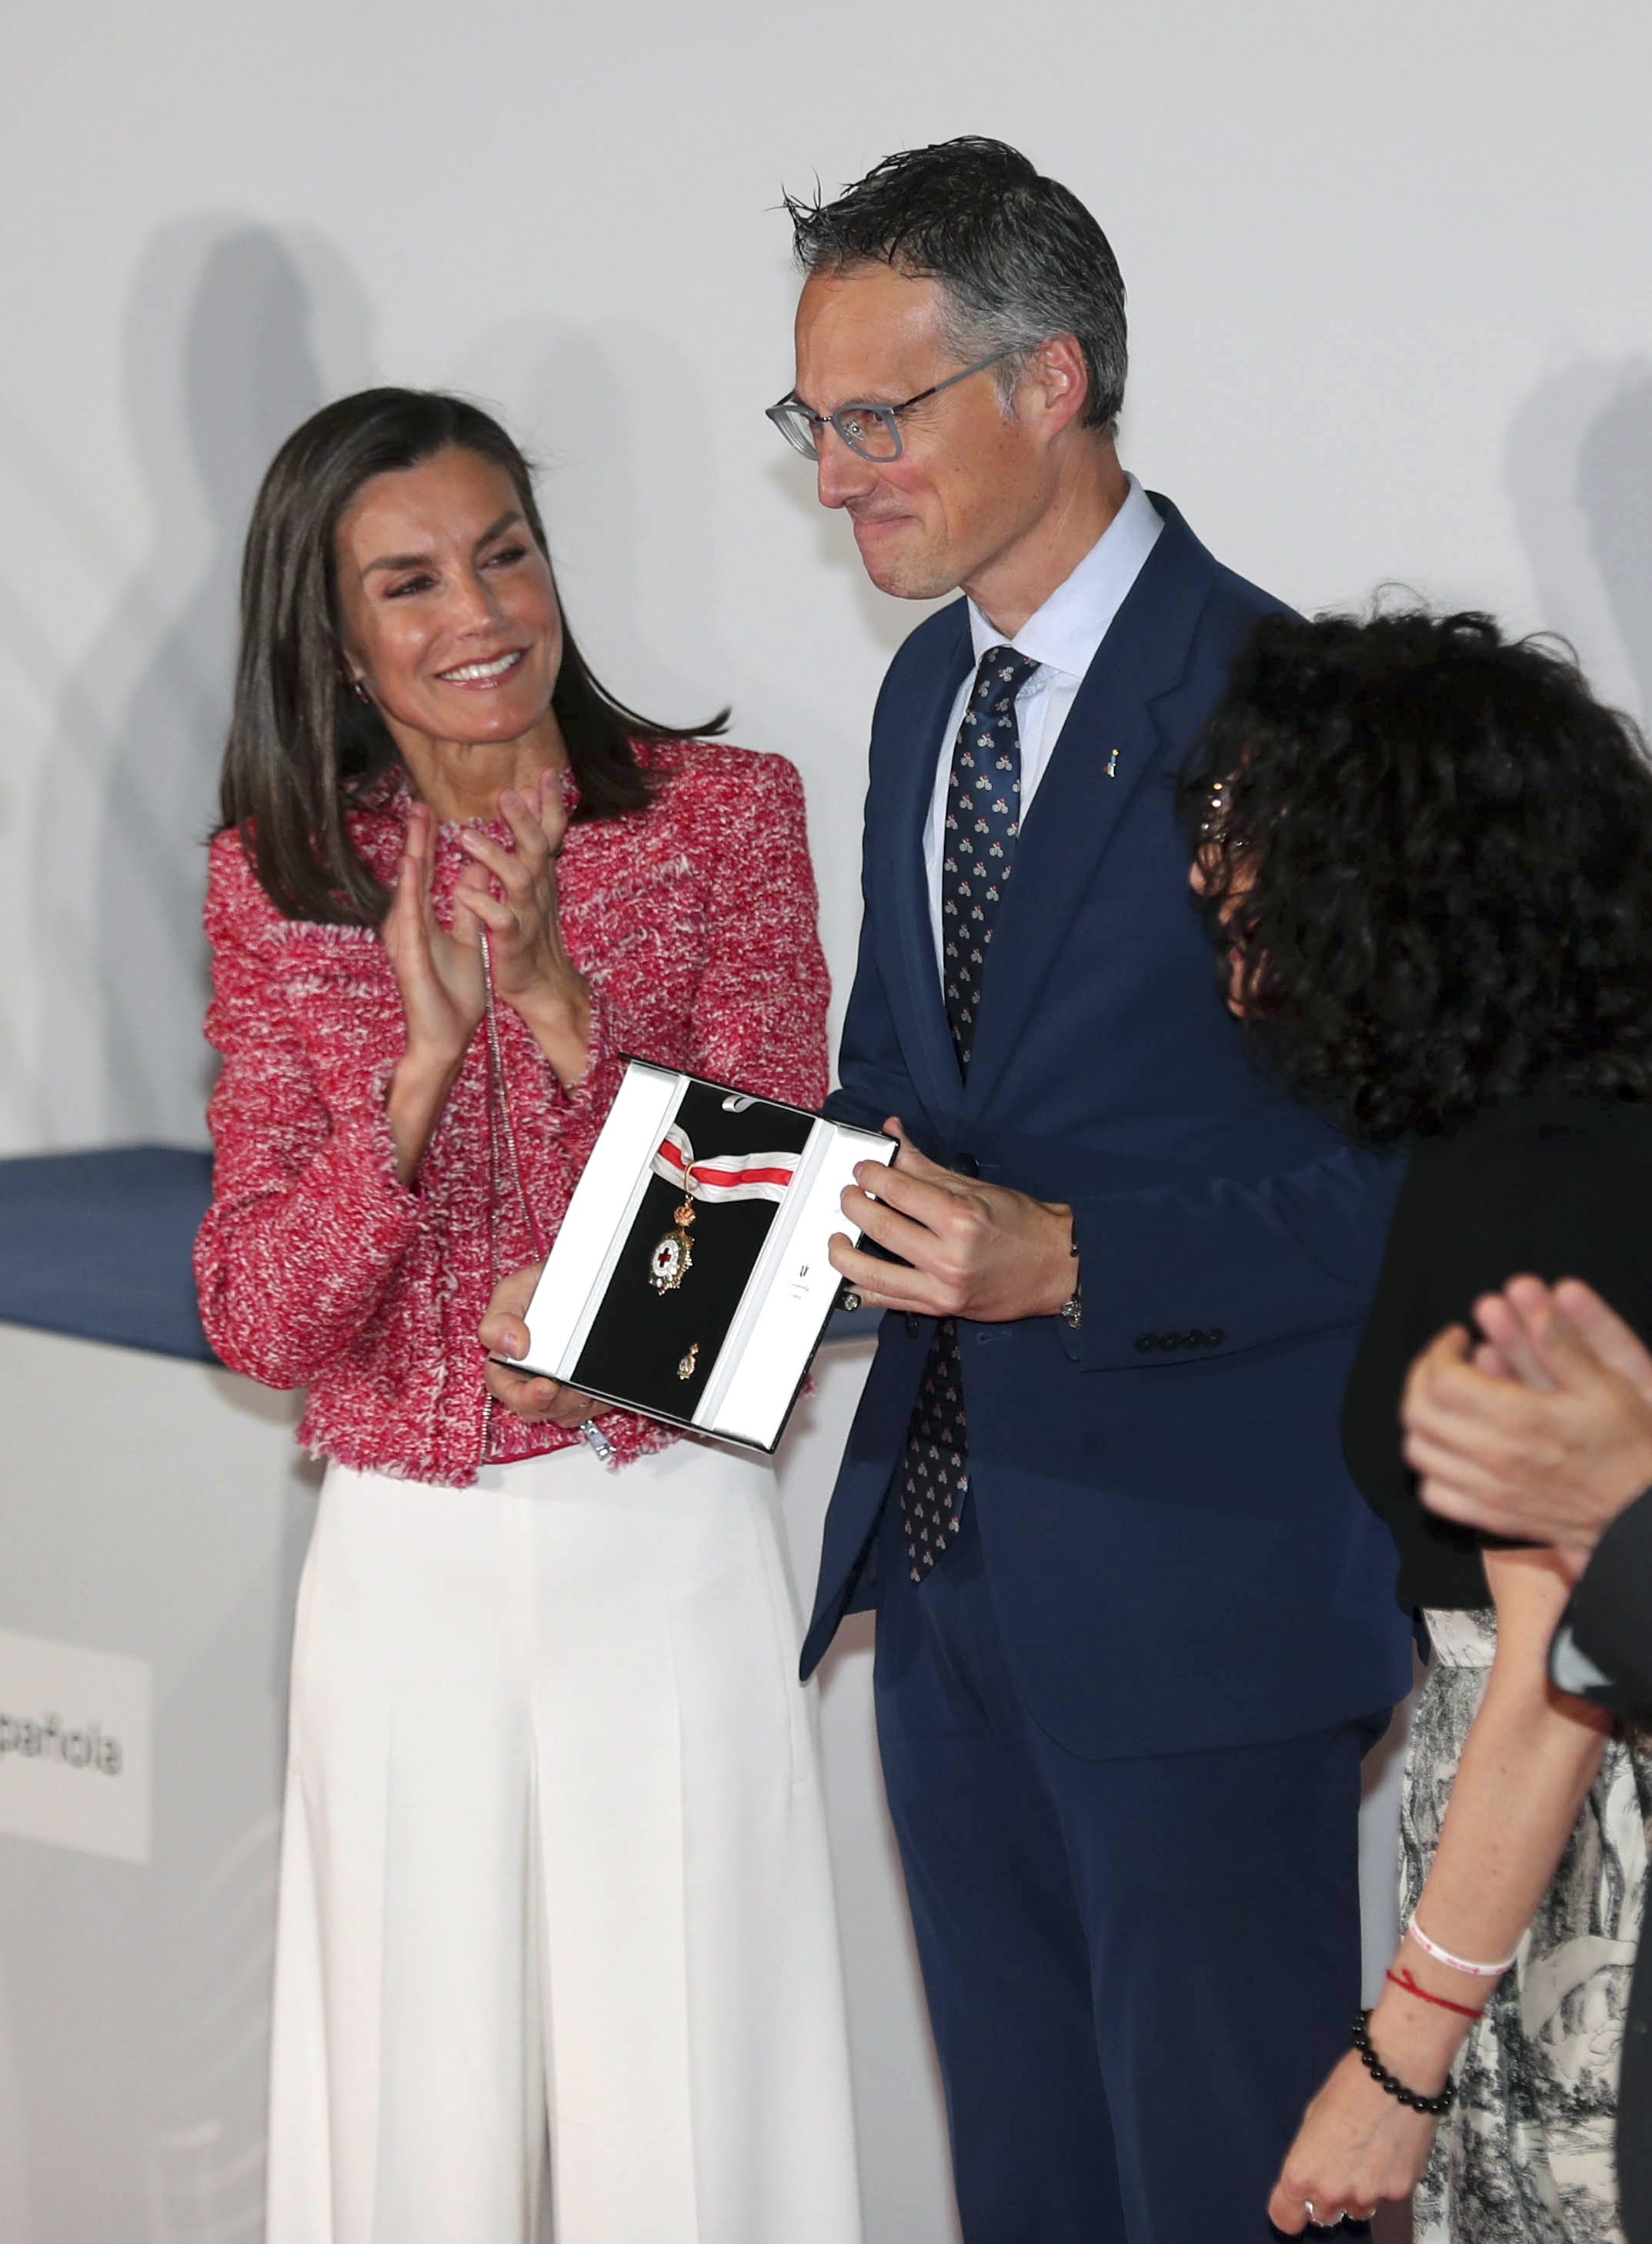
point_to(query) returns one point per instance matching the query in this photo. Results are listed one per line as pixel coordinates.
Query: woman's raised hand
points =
(438, 971)
(444, 993)
(513, 893)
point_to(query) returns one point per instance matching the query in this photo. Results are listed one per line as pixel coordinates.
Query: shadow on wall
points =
(633, 528)
(235, 334)
(1579, 474)
(888, 621)
(640, 517)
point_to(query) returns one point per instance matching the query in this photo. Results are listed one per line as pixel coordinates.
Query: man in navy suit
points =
(1135, 1629)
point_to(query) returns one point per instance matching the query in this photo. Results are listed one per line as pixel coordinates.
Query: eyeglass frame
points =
(888, 414)
(1213, 825)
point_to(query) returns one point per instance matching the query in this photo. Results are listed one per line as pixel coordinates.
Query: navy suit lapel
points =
(914, 985)
(1114, 720)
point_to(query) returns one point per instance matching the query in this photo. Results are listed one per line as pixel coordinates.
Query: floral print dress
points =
(1526, 2154)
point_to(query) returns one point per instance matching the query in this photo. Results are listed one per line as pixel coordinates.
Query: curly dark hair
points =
(1427, 857)
(1018, 257)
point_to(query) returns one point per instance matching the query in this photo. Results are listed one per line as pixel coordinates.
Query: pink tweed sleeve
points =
(758, 1016)
(308, 1219)
(760, 1009)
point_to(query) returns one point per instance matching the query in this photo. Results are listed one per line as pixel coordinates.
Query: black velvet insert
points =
(639, 1337)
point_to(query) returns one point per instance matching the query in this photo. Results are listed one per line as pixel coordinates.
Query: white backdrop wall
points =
(1391, 287)
(1390, 284)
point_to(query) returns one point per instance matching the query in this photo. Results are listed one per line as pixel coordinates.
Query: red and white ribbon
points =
(722, 1176)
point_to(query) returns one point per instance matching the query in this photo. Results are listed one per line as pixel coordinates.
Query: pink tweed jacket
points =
(695, 922)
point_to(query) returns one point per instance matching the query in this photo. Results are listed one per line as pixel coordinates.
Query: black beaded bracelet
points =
(1434, 2106)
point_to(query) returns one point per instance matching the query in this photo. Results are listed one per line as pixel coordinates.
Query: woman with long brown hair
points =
(555, 1871)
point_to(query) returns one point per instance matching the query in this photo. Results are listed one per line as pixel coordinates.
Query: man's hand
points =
(541, 1402)
(973, 1250)
(1544, 1432)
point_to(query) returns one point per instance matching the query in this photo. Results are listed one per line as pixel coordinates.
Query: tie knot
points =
(1001, 674)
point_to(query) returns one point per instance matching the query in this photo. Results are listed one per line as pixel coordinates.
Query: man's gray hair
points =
(1018, 257)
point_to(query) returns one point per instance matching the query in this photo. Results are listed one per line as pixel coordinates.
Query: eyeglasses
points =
(873, 432)
(1213, 826)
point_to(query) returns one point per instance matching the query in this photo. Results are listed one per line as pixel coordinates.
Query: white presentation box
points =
(690, 1280)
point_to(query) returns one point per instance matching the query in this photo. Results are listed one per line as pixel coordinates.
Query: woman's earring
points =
(360, 690)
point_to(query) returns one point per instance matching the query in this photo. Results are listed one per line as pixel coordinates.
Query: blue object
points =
(1180, 1560)
(1126, 1747)
(1073, 2011)
(98, 1245)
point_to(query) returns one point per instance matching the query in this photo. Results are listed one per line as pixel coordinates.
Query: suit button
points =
(965, 1165)
(1146, 1343)
(1216, 1336)
(911, 1325)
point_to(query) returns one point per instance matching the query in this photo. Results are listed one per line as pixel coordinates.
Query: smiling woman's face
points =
(449, 617)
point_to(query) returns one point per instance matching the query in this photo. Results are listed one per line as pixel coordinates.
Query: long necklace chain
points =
(497, 1074)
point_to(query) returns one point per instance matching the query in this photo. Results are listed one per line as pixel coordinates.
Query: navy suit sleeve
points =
(1273, 1260)
(873, 1079)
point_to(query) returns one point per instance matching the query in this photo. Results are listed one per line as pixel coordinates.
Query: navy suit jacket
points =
(1178, 1558)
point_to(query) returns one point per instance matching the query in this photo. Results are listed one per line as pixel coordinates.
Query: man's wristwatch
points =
(1073, 1307)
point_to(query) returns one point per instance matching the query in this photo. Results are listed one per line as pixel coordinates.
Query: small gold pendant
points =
(686, 1364)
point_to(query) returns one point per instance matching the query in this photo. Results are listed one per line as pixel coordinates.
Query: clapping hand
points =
(504, 916)
(438, 971)
(513, 893)
(1542, 1430)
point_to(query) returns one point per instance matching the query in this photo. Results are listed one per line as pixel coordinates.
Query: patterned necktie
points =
(983, 819)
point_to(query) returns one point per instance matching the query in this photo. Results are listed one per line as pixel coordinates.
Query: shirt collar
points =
(1065, 632)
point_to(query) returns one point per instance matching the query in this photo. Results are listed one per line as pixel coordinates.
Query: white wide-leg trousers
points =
(555, 1871)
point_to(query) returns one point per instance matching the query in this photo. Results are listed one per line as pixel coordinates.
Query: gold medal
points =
(669, 1264)
(723, 1177)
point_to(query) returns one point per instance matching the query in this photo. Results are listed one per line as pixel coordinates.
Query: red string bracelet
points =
(1407, 1985)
